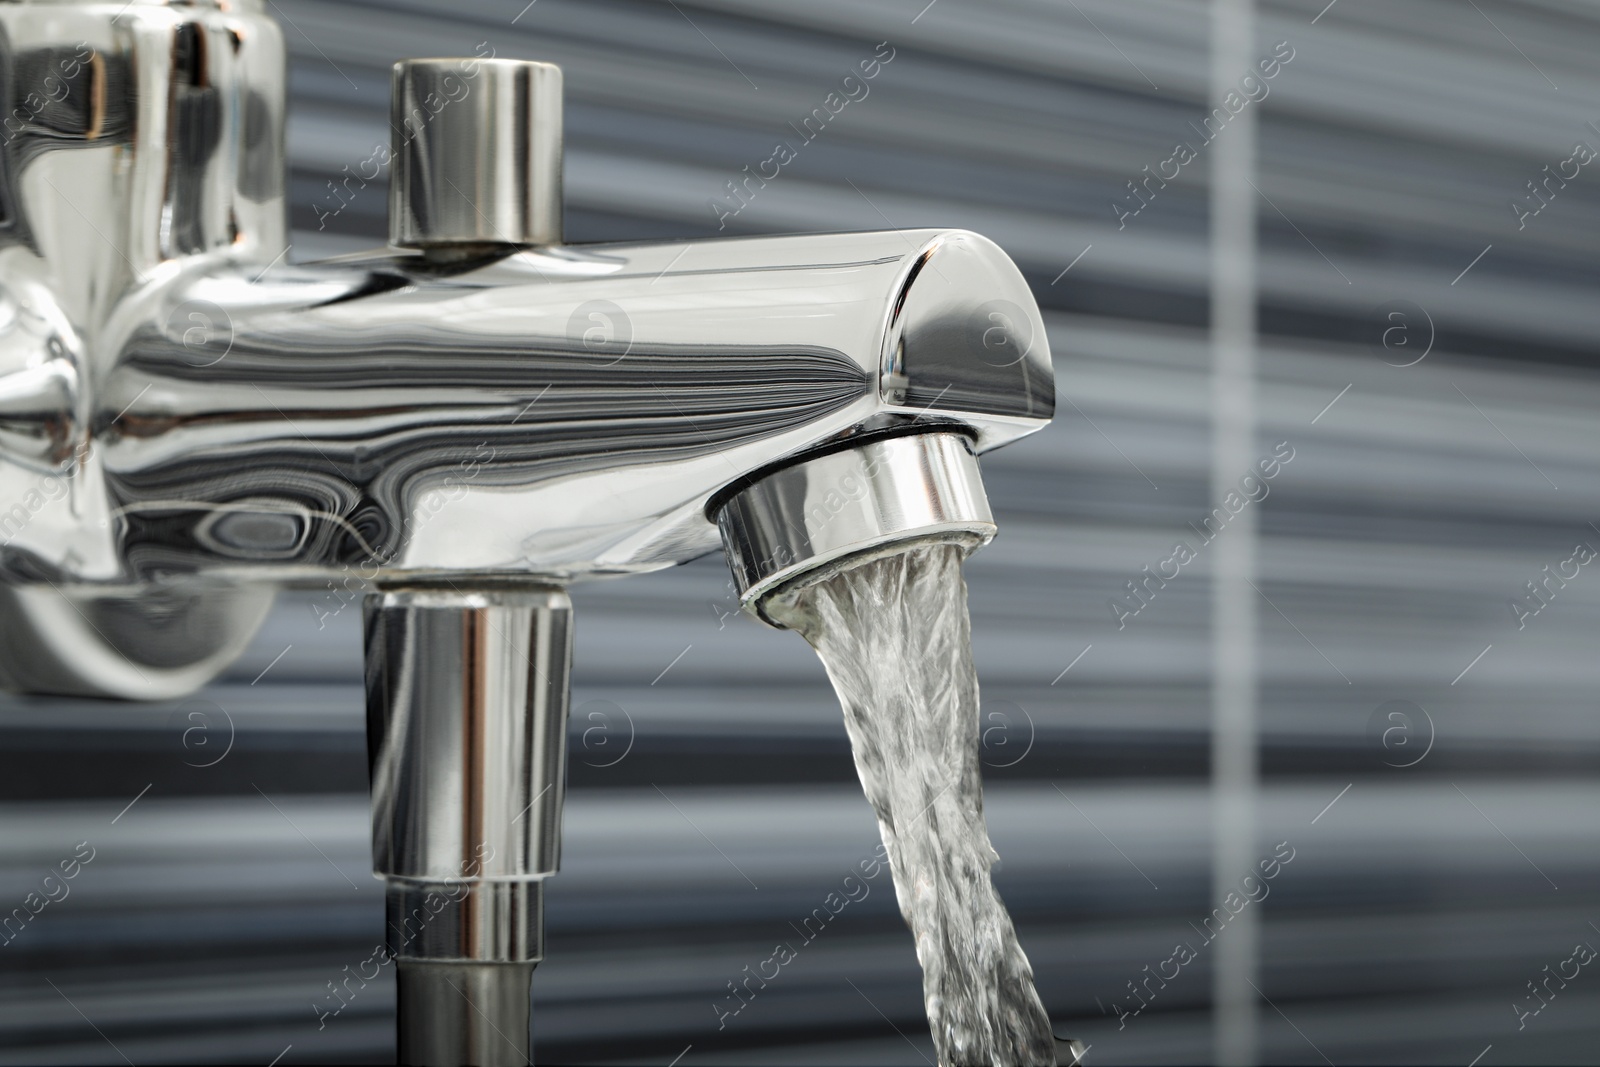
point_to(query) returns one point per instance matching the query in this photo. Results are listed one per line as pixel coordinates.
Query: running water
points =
(894, 636)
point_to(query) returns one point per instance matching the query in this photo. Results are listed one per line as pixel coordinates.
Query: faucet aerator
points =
(800, 524)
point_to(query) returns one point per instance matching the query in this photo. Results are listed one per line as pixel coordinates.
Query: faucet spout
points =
(553, 413)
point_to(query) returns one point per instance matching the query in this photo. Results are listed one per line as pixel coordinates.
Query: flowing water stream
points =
(895, 638)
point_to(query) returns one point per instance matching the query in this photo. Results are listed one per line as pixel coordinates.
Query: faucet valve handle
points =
(476, 153)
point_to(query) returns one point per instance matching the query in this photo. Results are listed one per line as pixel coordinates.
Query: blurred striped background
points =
(712, 803)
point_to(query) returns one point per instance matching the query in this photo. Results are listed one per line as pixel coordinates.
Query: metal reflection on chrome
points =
(476, 154)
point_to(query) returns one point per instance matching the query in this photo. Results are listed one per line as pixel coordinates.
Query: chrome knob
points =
(477, 153)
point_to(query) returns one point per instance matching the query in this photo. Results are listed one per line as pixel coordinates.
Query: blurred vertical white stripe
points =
(1234, 690)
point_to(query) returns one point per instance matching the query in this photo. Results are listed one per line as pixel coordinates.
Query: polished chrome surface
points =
(464, 1014)
(141, 141)
(465, 920)
(466, 733)
(159, 643)
(793, 525)
(476, 153)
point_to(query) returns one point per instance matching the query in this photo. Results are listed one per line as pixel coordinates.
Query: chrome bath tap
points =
(459, 425)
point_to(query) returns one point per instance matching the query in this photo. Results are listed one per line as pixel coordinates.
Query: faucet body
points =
(559, 413)
(190, 421)
(461, 423)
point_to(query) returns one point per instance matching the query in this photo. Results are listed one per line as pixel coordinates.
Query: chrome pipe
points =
(464, 1014)
(805, 521)
(466, 918)
(466, 735)
(466, 730)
